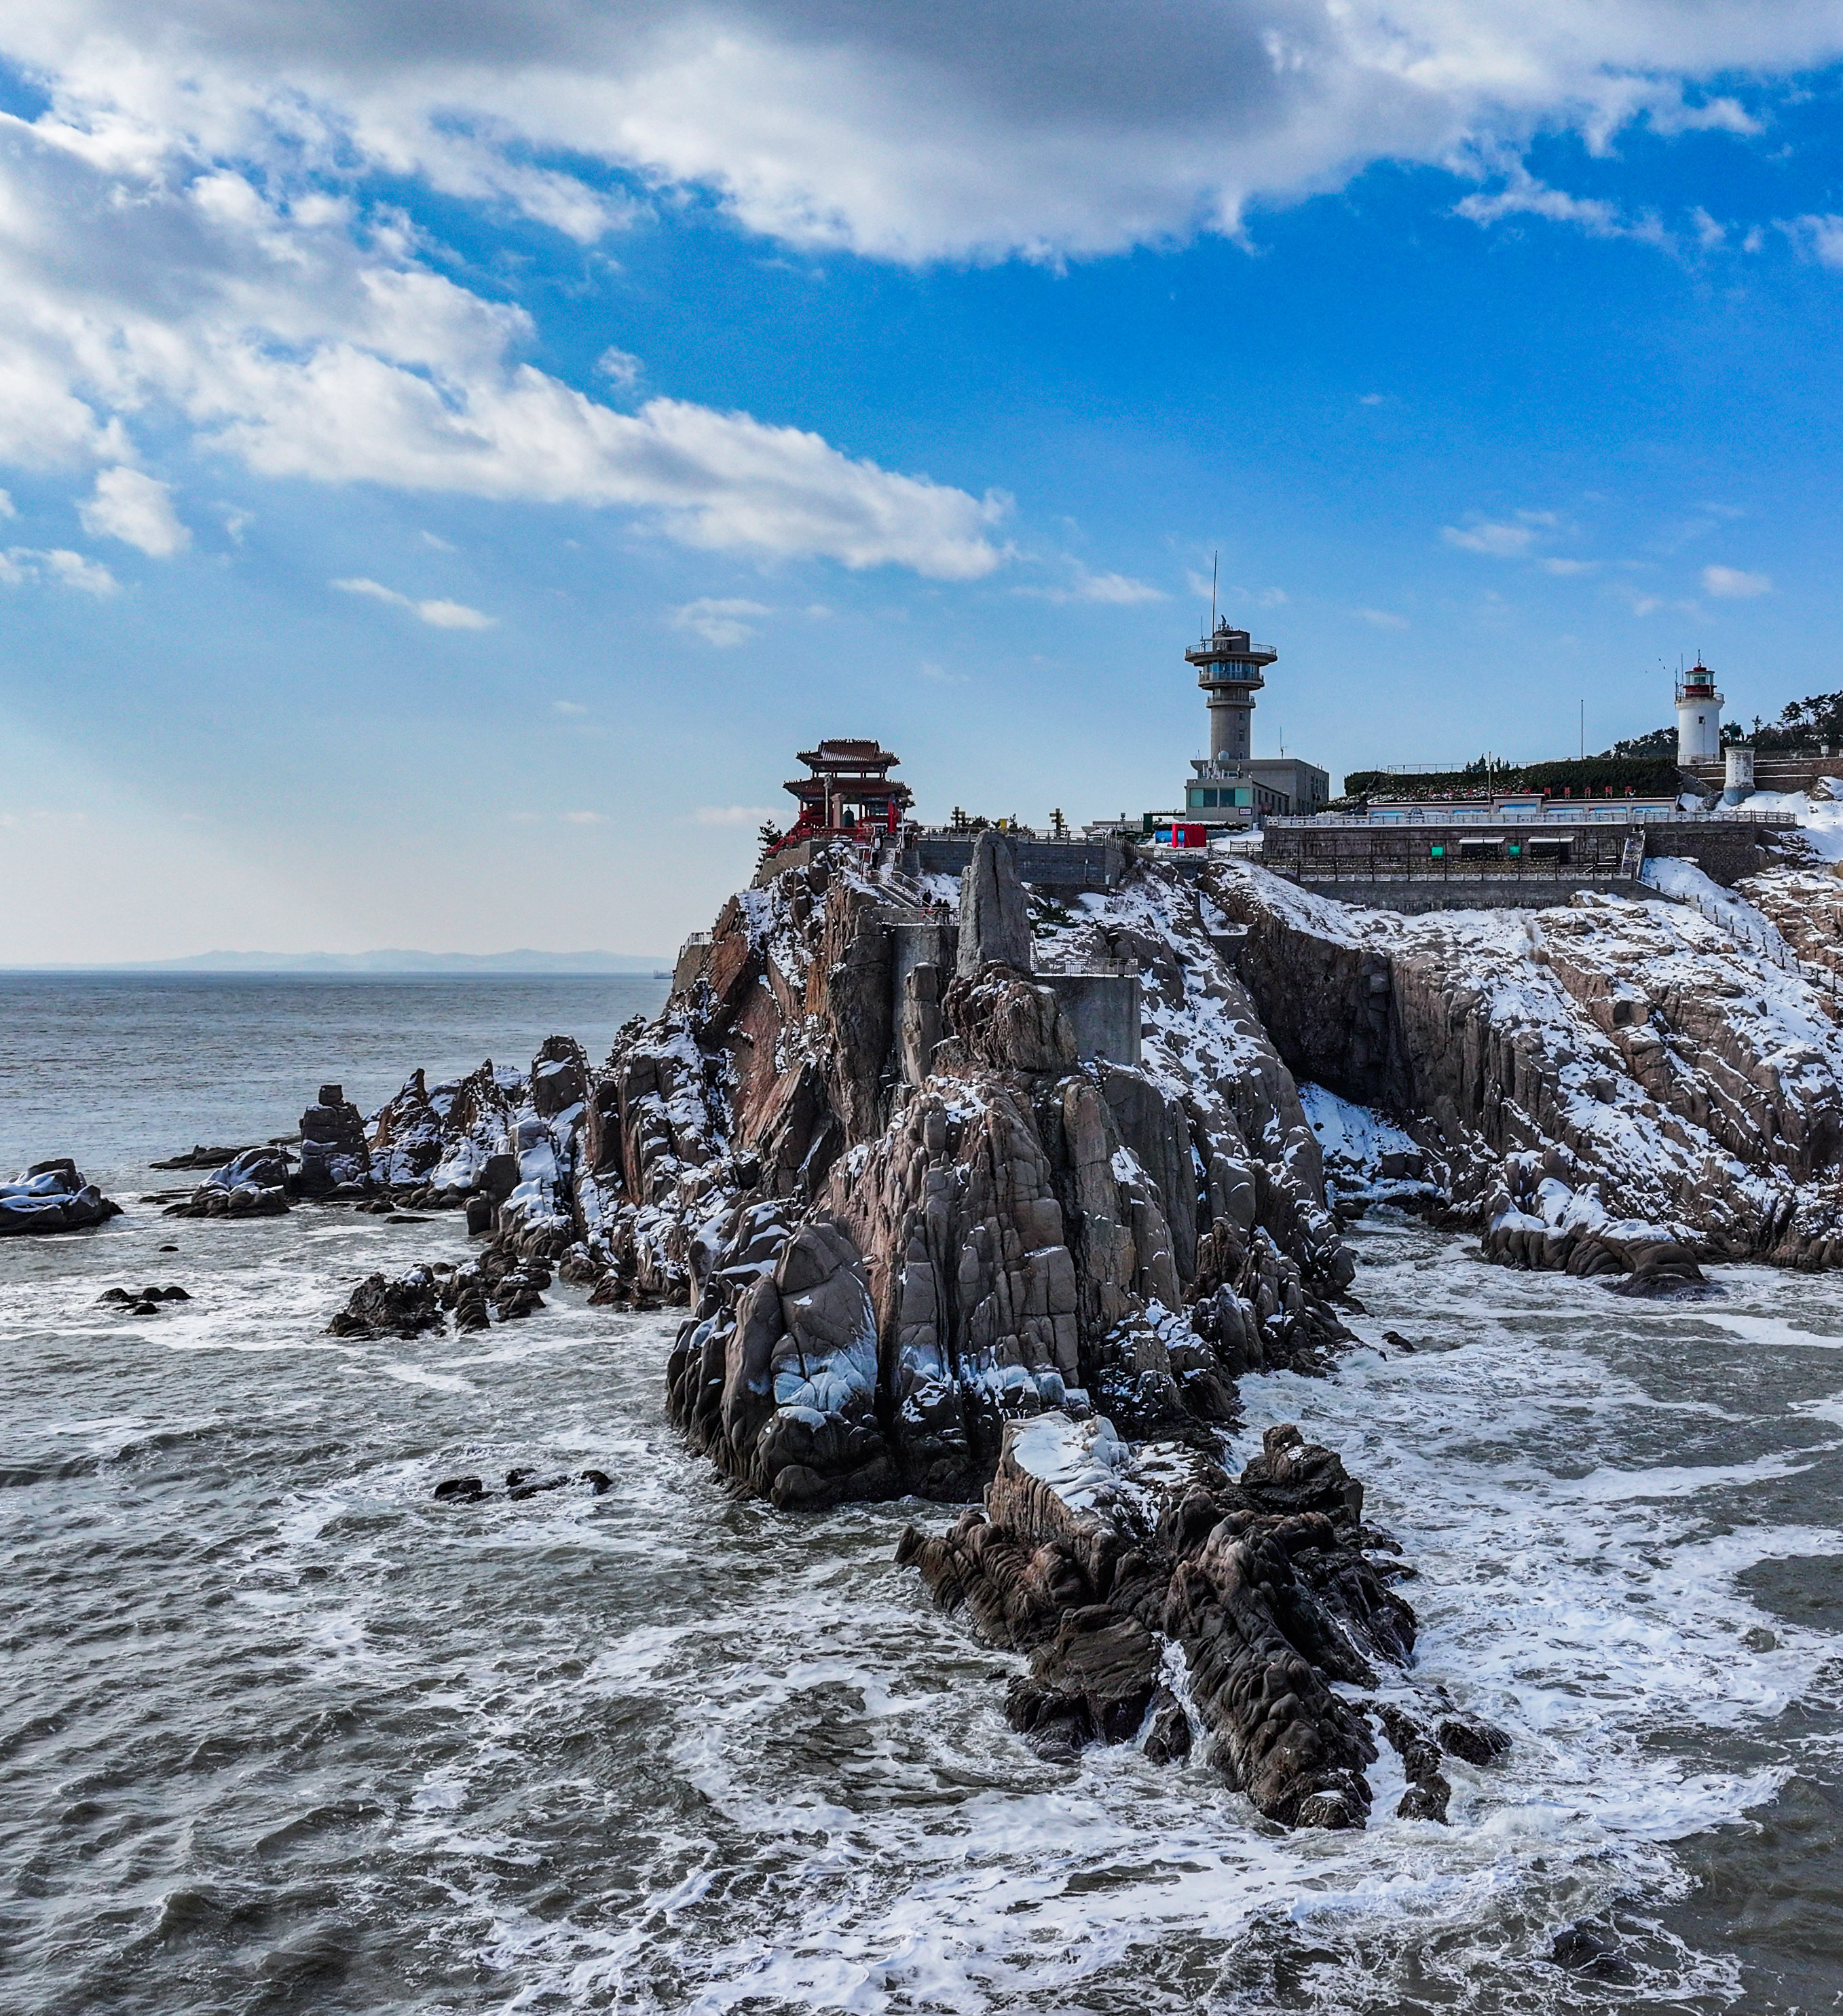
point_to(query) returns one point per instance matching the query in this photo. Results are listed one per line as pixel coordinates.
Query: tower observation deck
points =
(1231, 670)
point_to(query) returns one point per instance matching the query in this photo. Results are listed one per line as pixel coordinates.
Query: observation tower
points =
(1231, 670)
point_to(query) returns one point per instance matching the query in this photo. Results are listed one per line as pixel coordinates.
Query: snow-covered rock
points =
(53, 1197)
(1630, 1050)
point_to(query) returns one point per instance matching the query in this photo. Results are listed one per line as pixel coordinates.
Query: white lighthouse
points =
(1698, 717)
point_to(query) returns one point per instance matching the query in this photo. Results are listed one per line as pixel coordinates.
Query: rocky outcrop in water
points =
(496, 1284)
(255, 1184)
(205, 1158)
(886, 1269)
(1097, 1560)
(53, 1197)
(335, 1155)
(143, 1301)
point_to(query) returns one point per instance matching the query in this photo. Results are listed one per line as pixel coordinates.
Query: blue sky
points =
(446, 480)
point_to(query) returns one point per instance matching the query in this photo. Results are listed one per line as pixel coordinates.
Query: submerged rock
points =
(143, 1302)
(1583, 1949)
(520, 1485)
(53, 1197)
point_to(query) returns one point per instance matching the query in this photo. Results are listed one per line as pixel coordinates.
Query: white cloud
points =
(191, 231)
(311, 339)
(436, 544)
(585, 819)
(1522, 195)
(1819, 238)
(738, 815)
(1566, 567)
(620, 367)
(137, 510)
(718, 619)
(21, 566)
(1116, 588)
(567, 706)
(1384, 619)
(439, 614)
(1733, 584)
(6, 509)
(1046, 127)
(1500, 542)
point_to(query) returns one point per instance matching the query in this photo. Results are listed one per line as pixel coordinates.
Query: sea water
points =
(281, 1732)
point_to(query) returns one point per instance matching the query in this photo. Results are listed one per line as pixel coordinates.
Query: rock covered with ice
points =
(1030, 1232)
(335, 1155)
(53, 1197)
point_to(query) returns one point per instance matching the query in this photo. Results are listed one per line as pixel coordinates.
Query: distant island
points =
(520, 962)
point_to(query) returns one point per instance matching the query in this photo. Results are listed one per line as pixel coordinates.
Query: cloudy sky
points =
(450, 459)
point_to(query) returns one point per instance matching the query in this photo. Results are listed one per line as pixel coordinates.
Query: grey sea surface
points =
(280, 1733)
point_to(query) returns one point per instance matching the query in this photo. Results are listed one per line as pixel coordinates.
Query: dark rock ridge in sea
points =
(1098, 1559)
(53, 1197)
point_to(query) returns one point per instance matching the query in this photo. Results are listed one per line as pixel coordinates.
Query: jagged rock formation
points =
(53, 1197)
(994, 916)
(886, 1270)
(1587, 1082)
(335, 1156)
(496, 1283)
(1804, 905)
(1094, 1558)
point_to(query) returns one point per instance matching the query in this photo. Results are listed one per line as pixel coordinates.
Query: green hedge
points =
(1640, 776)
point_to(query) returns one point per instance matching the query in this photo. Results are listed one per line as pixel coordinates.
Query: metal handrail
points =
(1462, 812)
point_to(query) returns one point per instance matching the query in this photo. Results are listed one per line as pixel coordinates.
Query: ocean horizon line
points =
(524, 960)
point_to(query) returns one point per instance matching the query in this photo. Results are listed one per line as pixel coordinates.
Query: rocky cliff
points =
(1584, 1081)
(907, 1217)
